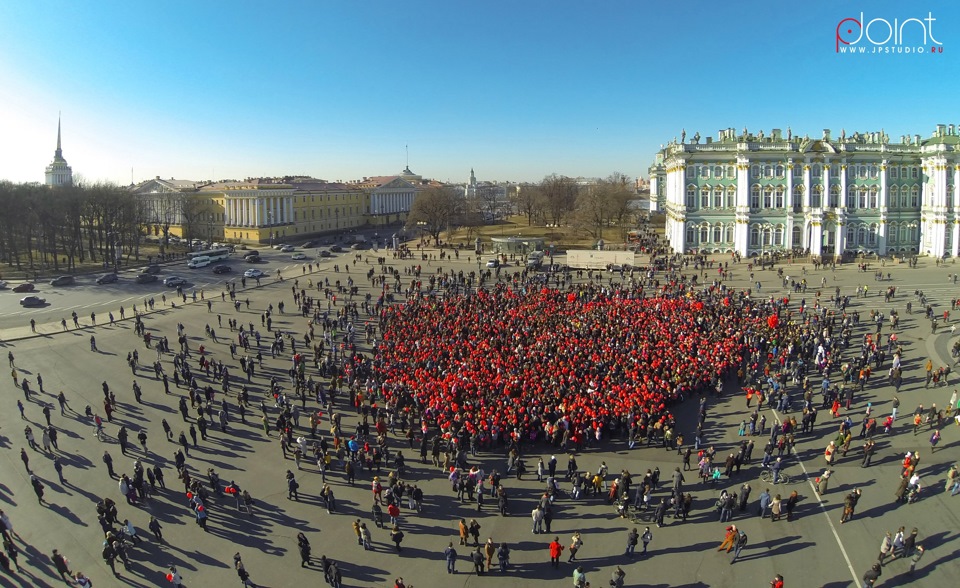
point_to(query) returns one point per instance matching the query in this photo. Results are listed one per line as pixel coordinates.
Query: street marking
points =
(823, 509)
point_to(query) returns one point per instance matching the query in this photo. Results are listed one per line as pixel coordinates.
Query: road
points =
(814, 550)
(86, 297)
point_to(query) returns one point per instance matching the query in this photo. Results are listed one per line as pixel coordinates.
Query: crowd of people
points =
(509, 364)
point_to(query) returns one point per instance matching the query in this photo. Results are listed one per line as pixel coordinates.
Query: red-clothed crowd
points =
(499, 361)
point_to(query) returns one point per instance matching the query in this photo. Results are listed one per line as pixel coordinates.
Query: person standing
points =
(849, 505)
(450, 554)
(647, 537)
(729, 540)
(503, 557)
(489, 550)
(764, 502)
(556, 549)
(871, 576)
(477, 558)
(579, 578)
(632, 539)
(886, 548)
(916, 556)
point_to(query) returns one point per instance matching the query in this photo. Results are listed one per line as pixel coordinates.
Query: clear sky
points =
(516, 89)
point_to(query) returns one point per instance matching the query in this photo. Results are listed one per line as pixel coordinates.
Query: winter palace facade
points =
(757, 194)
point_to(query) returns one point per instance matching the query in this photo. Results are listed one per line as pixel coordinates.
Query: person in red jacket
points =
(777, 581)
(555, 550)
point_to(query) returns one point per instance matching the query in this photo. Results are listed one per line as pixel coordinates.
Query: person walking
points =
(741, 542)
(450, 554)
(916, 558)
(579, 578)
(823, 482)
(575, 544)
(61, 564)
(871, 576)
(155, 528)
(556, 549)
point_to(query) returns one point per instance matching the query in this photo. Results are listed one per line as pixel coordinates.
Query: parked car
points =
(25, 287)
(150, 269)
(173, 281)
(253, 273)
(336, 248)
(324, 253)
(146, 278)
(222, 269)
(62, 281)
(32, 301)
(107, 279)
(298, 256)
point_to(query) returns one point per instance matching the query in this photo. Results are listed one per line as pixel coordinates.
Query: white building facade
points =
(755, 194)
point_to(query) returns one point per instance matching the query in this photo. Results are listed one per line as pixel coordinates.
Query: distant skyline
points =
(516, 90)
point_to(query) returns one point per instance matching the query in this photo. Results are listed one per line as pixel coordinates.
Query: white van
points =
(198, 262)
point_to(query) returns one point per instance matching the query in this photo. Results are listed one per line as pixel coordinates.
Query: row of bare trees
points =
(557, 200)
(57, 228)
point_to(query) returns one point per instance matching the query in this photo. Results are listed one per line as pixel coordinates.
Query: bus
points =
(213, 254)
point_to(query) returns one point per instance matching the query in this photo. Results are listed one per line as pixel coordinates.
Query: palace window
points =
(731, 171)
(691, 235)
(861, 172)
(816, 196)
(731, 197)
(862, 197)
(874, 171)
(691, 196)
(851, 237)
(797, 236)
(705, 234)
(834, 196)
(893, 172)
(717, 234)
(780, 171)
(872, 235)
(874, 197)
(778, 197)
(755, 197)
(797, 170)
(816, 171)
(893, 196)
(835, 170)
(728, 234)
(705, 197)
(768, 171)
(797, 196)
(754, 236)
(704, 170)
(718, 197)
(892, 239)
(915, 197)
(718, 171)
(778, 236)
(915, 172)
(754, 171)
(768, 198)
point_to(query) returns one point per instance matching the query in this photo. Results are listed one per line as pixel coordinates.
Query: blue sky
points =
(515, 89)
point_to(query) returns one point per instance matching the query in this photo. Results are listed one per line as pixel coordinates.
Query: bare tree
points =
(559, 196)
(529, 201)
(434, 210)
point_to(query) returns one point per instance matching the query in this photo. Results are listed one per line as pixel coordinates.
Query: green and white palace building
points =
(756, 193)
